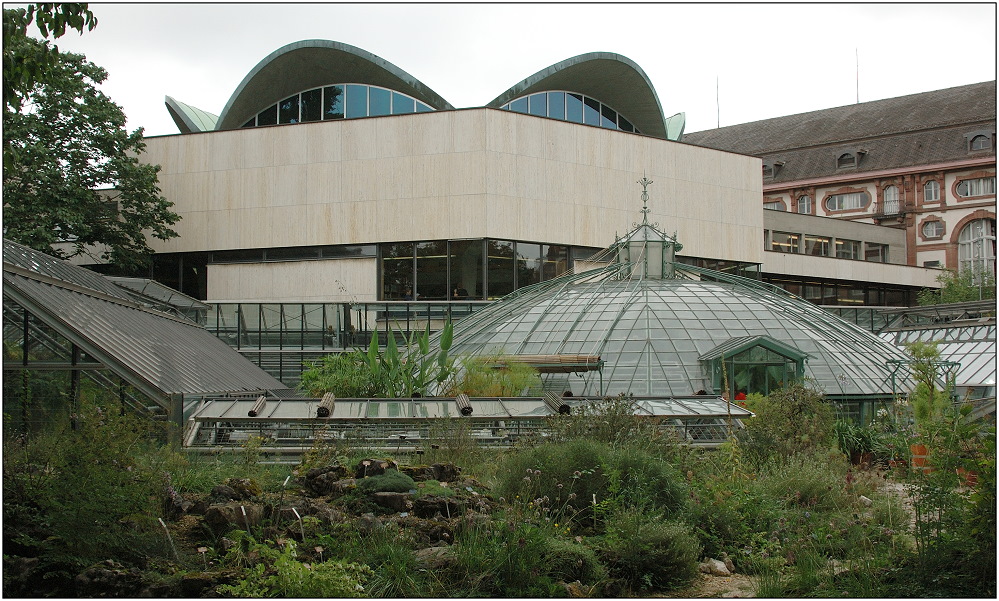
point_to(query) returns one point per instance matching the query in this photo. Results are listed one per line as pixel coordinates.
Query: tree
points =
(959, 287)
(71, 172)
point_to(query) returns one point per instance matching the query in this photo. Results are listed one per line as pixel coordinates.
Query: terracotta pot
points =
(970, 478)
(919, 457)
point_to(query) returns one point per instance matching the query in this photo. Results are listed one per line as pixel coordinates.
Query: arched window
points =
(890, 200)
(805, 204)
(981, 143)
(891, 193)
(845, 160)
(976, 246)
(931, 191)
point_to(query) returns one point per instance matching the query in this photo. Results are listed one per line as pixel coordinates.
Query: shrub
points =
(789, 421)
(390, 481)
(564, 477)
(649, 552)
(492, 376)
(570, 561)
(501, 559)
(344, 374)
(611, 421)
(814, 481)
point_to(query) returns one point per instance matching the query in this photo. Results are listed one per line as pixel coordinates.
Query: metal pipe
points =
(258, 407)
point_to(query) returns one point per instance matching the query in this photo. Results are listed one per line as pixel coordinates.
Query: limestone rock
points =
(714, 567)
(865, 501)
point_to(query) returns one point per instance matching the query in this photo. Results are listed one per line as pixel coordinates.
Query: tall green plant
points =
(400, 374)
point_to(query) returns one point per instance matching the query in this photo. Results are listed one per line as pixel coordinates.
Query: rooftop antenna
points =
(717, 102)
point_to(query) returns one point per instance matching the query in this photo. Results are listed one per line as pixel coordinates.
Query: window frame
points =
(936, 190)
(841, 196)
(984, 182)
(936, 222)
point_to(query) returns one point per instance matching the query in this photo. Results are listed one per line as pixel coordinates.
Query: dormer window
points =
(847, 160)
(771, 168)
(979, 140)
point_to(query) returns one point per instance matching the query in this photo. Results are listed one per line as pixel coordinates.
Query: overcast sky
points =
(769, 60)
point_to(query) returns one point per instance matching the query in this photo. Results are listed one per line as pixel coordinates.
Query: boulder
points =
(108, 579)
(396, 501)
(728, 562)
(224, 494)
(222, 518)
(246, 488)
(174, 504)
(446, 472)
(433, 505)
(434, 558)
(322, 481)
(714, 567)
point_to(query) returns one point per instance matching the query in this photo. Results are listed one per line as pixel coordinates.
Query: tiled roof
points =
(909, 130)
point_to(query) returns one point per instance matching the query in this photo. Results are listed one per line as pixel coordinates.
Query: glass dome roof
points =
(659, 325)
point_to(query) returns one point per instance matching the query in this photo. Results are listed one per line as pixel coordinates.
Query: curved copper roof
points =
(613, 79)
(313, 63)
(189, 118)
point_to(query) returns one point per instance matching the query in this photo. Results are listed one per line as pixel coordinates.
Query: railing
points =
(889, 208)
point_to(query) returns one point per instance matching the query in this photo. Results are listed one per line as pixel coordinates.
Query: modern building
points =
(332, 175)
(924, 164)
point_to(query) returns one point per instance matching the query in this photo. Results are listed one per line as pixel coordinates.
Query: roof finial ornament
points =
(644, 182)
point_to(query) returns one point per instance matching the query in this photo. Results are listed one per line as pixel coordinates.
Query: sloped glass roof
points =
(972, 346)
(651, 320)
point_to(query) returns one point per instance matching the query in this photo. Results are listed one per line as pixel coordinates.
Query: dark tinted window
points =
(288, 110)
(268, 116)
(608, 117)
(519, 105)
(312, 105)
(333, 102)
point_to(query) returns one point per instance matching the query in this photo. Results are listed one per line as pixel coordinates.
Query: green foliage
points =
(286, 576)
(610, 420)
(571, 560)
(563, 479)
(384, 374)
(344, 374)
(927, 401)
(791, 420)
(492, 376)
(76, 496)
(390, 481)
(648, 551)
(501, 559)
(22, 68)
(960, 287)
(74, 174)
(450, 441)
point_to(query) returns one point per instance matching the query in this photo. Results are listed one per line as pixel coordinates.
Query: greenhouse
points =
(667, 329)
(291, 425)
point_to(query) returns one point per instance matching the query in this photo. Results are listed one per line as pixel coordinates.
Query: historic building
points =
(924, 164)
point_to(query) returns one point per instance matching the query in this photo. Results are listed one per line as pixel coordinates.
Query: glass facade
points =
(469, 269)
(338, 102)
(569, 106)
